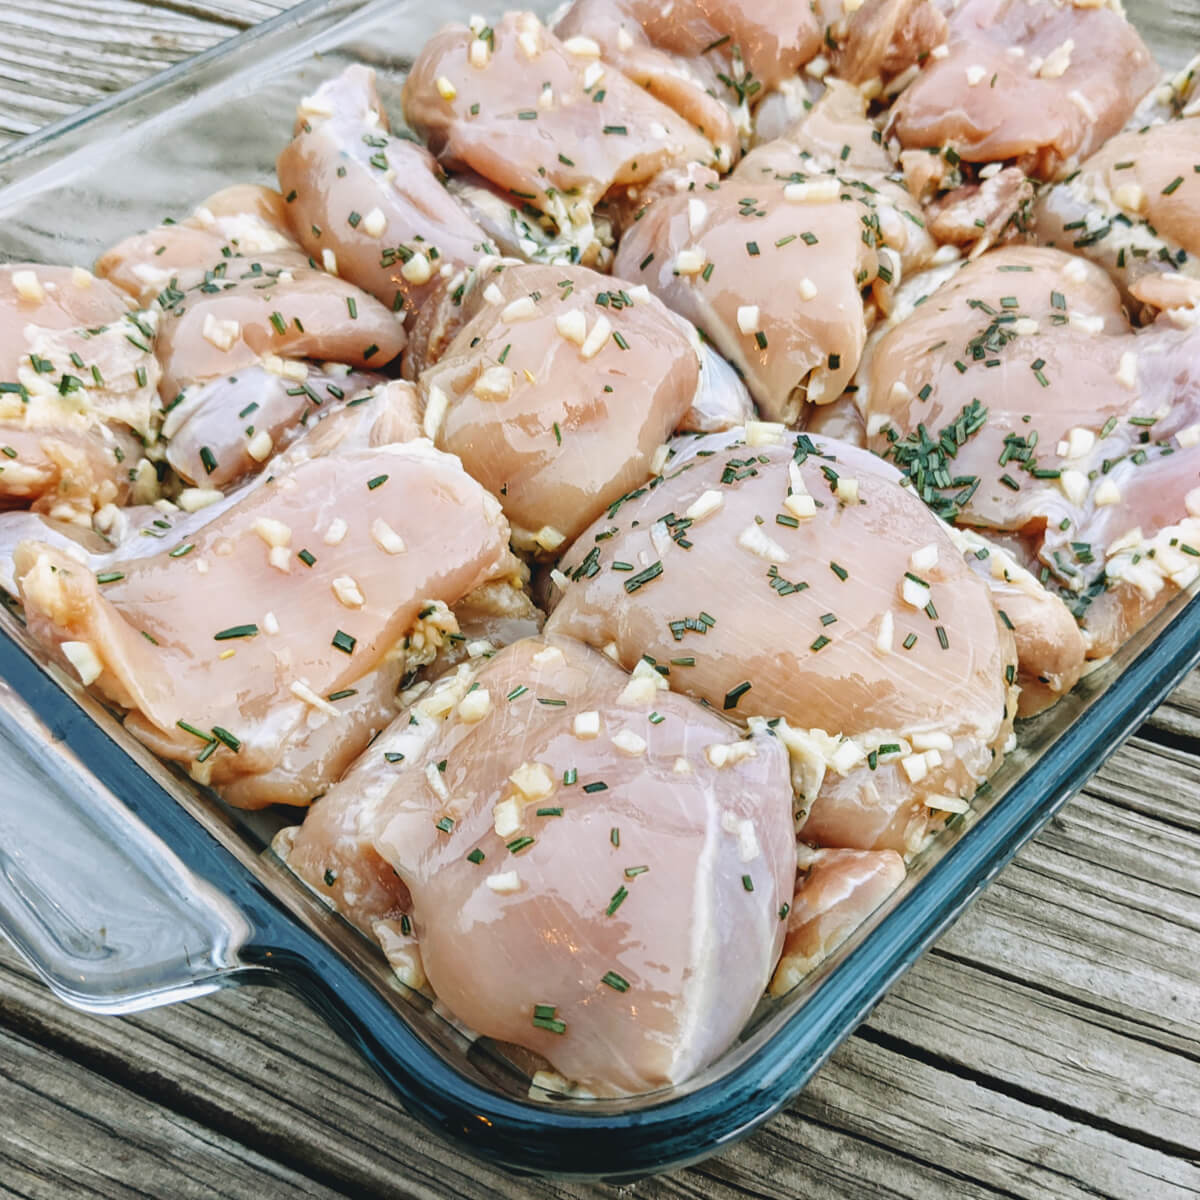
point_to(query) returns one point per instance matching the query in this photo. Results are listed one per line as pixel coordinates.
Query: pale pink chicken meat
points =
(375, 201)
(1078, 431)
(542, 119)
(567, 837)
(817, 616)
(1134, 208)
(557, 392)
(318, 579)
(879, 42)
(224, 429)
(707, 60)
(1044, 84)
(836, 137)
(235, 290)
(77, 391)
(770, 272)
(837, 892)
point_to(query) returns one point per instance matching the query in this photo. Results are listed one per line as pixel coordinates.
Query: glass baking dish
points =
(128, 886)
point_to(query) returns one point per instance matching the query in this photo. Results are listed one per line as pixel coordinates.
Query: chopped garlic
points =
(280, 558)
(520, 309)
(273, 532)
(221, 334)
(705, 506)
(417, 270)
(847, 489)
(547, 656)
(915, 767)
(691, 261)
(808, 289)
(270, 623)
(492, 294)
(533, 780)
(587, 725)
(445, 88)
(474, 706)
(887, 630)
(924, 559)
(436, 405)
(976, 75)
(386, 538)
(1025, 325)
(1130, 196)
(302, 691)
(1106, 493)
(506, 818)
(764, 433)
(629, 743)
(572, 325)
(1127, 369)
(82, 278)
(84, 659)
(584, 47)
(915, 594)
(753, 538)
(329, 261)
(336, 532)
(729, 755)
(347, 591)
(747, 318)
(1188, 437)
(932, 740)
(29, 287)
(594, 342)
(624, 39)
(549, 538)
(194, 499)
(814, 191)
(479, 55)
(495, 383)
(1078, 443)
(1058, 61)
(697, 215)
(374, 223)
(800, 505)
(505, 881)
(259, 447)
(1074, 485)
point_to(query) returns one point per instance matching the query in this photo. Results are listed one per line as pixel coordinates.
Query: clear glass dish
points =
(128, 886)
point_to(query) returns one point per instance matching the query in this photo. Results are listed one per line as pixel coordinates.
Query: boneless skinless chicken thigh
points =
(614, 860)
(826, 372)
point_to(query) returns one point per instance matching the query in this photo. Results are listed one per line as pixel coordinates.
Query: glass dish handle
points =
(89, 895)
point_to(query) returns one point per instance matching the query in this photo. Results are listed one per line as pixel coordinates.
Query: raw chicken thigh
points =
(797, 580)
(612, 859)
(304, 589)
(77, 391)
(1134, 208)
(1079, 434)
(1042, 83)
(542, 118)
(374, 202)
(770, 272)
(557, 392)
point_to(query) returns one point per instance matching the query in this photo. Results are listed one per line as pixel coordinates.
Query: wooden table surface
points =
(1048, 1046)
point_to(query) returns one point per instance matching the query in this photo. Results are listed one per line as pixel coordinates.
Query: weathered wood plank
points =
(69, 1133)
(57, 56)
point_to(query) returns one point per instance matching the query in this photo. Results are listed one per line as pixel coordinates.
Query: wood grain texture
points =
(1048, 1046)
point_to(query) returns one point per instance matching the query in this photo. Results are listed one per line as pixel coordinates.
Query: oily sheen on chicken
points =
(796, 579)
(558, 391)
(613, 859)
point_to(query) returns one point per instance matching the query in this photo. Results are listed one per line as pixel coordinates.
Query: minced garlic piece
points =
(697, 214)
(764, 433)
(1058, 61)
(572, 325)
(479, 55)
(505, 881)
(386, 538)
(280, 557)
(914, 593)
(221, 334)
(814, 191)
(808, 289)
(629, 743)
(691, 261)
(495, 383)
(436, 405)
(587, 725)
(594, 342)
(887, 629)
(729, 755)
(273, 532)
(520, 309)
(533, 780)
(549, 538)
(28, 286)
(932, 740)
(329, 261)
(336, 532)
(270, 623)
(445, 88)
(584, 47)
(747, 318)
(85, 660)
(1106, 493)
(915, 767)
(506, 818)
(374, 224)
(1127, 369)
(81, 277)
(847, 489)
(753, 538)
(194, 499)
(1189, 436)
(976, 75)
(347, 591)
(474, 706)
(259, 447)
(1130, 196)
(705, 506)
(302, 691)
(924, 559)
(1078, 443)
(417, 270)
(1074, 485)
